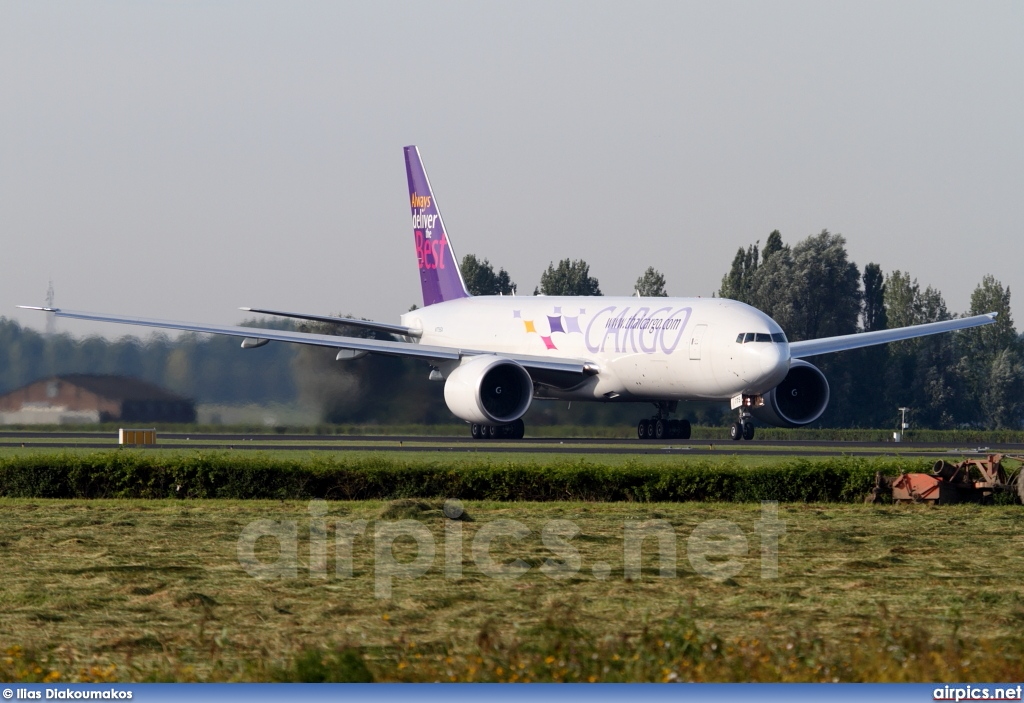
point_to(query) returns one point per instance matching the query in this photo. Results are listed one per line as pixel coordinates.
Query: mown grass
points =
(153, 590)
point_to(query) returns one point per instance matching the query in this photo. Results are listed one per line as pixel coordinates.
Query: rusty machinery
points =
(970, 481)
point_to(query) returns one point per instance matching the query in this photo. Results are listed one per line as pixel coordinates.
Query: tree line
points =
(973, 378)
(567, 277)
(210, 369)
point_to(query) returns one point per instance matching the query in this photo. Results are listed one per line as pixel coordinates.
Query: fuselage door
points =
(698, 334)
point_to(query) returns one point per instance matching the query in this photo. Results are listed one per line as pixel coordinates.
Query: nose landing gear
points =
(661, 426)
(742, 429)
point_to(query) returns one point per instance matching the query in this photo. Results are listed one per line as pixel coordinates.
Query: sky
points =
(182, 159)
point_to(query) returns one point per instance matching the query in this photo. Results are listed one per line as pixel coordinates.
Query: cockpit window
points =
(747, 337)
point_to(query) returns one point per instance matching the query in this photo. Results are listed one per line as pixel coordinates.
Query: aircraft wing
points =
(574, 367)
(350, 321)
(827, 345)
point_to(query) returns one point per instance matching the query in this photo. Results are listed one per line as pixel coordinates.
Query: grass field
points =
(154, 590)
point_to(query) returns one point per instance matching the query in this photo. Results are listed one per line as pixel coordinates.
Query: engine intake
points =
(799, 400)
(489, 390)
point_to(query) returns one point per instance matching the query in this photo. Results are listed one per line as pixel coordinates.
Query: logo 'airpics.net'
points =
(639, 330)
(429, 249)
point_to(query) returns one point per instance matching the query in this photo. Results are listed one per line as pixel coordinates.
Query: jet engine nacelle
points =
(799, 400)
(489, 390)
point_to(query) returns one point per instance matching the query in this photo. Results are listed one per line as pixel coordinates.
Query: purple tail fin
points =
(439, 269)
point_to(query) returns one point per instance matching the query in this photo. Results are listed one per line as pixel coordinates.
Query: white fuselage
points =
(644, 348)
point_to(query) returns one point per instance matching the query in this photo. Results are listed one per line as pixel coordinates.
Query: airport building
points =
(85, 398)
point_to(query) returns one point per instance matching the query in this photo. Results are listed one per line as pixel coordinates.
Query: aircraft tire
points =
(748, 430)
(518, 429)
(736, 431)
(660, 429)
(641, 429)
(684, 429)
(474, 431)
(490, 431)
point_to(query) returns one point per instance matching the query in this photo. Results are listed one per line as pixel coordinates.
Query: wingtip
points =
(246, 309)
(37, 307)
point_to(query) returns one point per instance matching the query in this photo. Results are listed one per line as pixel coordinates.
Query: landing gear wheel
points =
(474, 431)
(684, 429)
(660, 429)
(736, 431)
(518, 429)
(674, 428)
(748, 430)
(490, 431)
(1020, 484)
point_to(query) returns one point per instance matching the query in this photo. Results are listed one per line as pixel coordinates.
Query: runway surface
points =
(567, 445)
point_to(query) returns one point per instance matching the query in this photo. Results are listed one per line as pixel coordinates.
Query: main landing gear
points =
(661, 426)
(743, 428)
(513, 430)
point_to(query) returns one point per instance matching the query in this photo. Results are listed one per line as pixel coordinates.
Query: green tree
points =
(990, 359)
(991, 296)
(868, 379)
(568, 278)
(651, 284)
(743, 283)
(873, 315)
(1000, 396)
(481, 279)
(737, 284)
(812, 290)
(921, 373)
(826, 302)
(773, 289)
(901, 298)
(828, 297)
(211, 370)
(773, 245)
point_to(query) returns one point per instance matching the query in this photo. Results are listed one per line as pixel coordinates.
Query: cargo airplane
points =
(496, 354)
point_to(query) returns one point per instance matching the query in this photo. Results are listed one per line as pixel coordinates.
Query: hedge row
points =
(126, 474)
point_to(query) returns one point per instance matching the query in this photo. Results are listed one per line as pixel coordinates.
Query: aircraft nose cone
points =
(773, 361)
